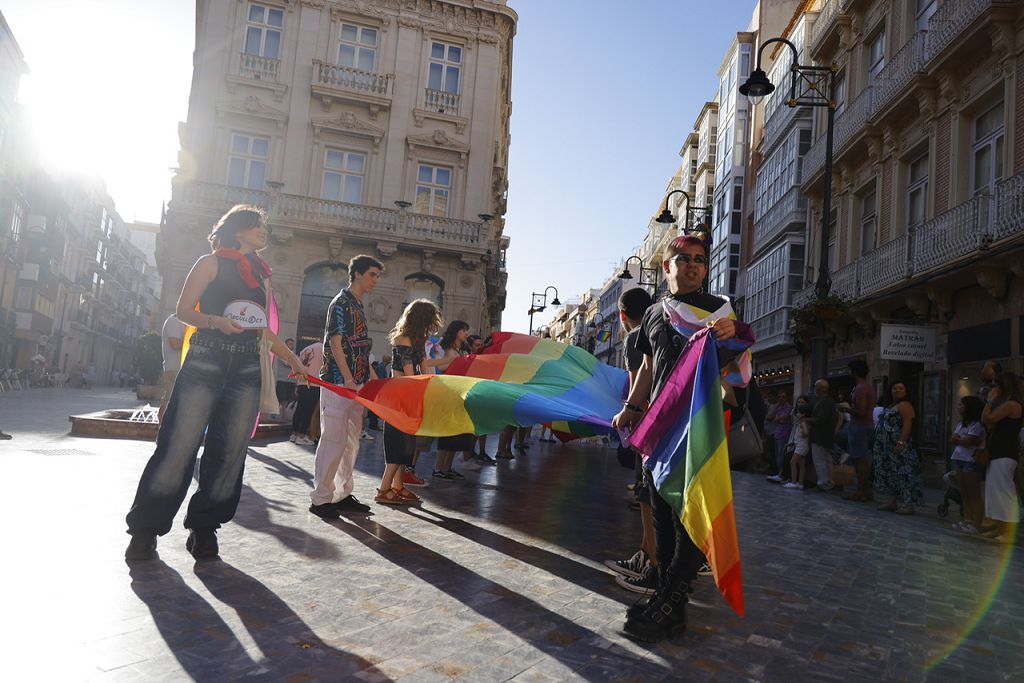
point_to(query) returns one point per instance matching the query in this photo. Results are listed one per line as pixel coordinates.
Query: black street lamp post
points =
(812, 86)
(538, 302)
(696, 223)
(648, 276)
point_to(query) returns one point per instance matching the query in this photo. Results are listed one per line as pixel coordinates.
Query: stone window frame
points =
(339, 21)
(913, 185)
(263, 27)
(346, 149)
(420, 162)
(865, 219)
(872, 69)
(448, 42)
(231, 154)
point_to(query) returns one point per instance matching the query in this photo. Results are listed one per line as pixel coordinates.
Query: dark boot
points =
(202, 543)
(141, 547)
(664, 616)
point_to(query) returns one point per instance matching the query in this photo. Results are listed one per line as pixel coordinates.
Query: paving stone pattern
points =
(497, 577)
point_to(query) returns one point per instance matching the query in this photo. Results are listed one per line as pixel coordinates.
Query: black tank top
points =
(1004, 438)
(229, 286)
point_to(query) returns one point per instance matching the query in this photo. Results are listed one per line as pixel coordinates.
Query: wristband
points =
(209, 322)
(633, 408)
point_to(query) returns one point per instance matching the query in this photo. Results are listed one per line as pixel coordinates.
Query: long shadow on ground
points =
(573, 645)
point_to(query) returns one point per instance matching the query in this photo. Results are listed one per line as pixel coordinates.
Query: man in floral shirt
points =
(347, 346)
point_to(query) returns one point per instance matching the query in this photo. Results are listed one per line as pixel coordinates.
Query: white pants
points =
(822, 458)
(1000, 490)
(341, 424)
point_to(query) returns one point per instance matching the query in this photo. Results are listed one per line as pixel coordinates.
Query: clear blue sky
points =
(603, 94)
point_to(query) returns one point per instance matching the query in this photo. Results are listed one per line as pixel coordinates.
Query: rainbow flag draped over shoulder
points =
(683, 439)
(519, 380)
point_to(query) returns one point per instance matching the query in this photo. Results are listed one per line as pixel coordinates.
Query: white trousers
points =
(341, 425)
(822, 458)
(1001, 491)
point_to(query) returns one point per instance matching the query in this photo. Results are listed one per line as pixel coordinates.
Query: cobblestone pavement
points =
(496, 577)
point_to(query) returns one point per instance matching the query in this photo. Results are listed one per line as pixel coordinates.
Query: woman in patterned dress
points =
(897, 466)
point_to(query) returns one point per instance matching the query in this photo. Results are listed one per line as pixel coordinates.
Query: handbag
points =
(744, 438)
(268, 385)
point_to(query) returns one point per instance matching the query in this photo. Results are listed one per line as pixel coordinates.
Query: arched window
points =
(322, 284)
(425, 286)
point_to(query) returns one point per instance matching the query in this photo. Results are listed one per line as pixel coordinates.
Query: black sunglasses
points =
(687, 258)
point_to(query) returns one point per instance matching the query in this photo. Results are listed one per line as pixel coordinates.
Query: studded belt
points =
(229, 347)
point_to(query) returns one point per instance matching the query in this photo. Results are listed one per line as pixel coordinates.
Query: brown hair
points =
(675, 247)
(419, 320)
(238, 218)
(360, 264)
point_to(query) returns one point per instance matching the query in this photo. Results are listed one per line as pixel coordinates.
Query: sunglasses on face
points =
(687, 258)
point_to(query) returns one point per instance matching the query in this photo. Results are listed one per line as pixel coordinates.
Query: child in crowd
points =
(800, 437)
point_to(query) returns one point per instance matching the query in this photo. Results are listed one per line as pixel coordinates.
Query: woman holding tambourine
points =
(217, 391)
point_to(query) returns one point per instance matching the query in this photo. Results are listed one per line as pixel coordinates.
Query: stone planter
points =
(149, 392)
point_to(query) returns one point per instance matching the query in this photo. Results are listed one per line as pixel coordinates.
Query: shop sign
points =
(912, 343)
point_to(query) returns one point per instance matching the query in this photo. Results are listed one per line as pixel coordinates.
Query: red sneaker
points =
(410, 479)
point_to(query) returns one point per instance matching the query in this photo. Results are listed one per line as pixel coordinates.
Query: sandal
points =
(406, 496)
(389, 497)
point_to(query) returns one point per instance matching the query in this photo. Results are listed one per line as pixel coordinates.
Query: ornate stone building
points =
(362, 126)
(928, 194)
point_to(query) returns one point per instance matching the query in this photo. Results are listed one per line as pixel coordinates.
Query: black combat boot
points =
(664, 616)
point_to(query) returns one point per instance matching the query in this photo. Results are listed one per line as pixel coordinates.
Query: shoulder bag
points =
(268, 392)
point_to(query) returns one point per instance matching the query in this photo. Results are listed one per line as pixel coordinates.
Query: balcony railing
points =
(848, 122)
(259, 68)
(324, 213)
(951, 18)
(826, 19)
(442, 102)
(900, 70)
(970, 228)
(347, 78)
(952, 234)
(885, 266)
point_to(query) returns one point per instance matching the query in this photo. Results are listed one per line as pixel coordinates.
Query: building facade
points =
(362, 127)
(927, 224)
(13, 180)
(776, 243)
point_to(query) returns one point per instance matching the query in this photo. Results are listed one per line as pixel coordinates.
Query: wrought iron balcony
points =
(848, 123)
(259, 68)
(824, 24)
(898, 72)
(953, 17)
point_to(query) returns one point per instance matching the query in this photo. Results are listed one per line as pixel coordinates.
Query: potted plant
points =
(802, 319)
(149, 360)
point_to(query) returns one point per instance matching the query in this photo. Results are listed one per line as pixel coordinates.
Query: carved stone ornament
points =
(993, 280)
(380, 309)
(918, 303)
(348, 123)
(428, 261)
(386, 249)
(439, 140)
(253, 106)
(334, 246)
(282, 236)
(365, 9)
(942, 297)
(927, 101)
(466, 281)
(469, 262)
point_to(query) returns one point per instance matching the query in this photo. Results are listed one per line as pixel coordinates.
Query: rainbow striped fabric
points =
(683, 439)
(519, 380)
(688, 320)
(604, 335)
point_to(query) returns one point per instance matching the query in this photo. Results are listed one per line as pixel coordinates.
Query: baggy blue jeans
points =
(218, 392)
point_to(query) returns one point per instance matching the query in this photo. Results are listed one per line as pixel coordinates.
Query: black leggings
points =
(676, 551)
(306, 403)
(398, 446)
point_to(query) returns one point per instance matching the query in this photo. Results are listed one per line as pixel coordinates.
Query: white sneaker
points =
(774, 477)
(304, 441)
(292, 437)
(793, 485)
(471, 465)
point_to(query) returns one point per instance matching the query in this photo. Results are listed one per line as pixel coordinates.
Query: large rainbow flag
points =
(519, 380)
(683, 439)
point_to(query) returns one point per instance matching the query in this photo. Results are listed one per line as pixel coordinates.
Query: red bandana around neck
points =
(251, 267)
